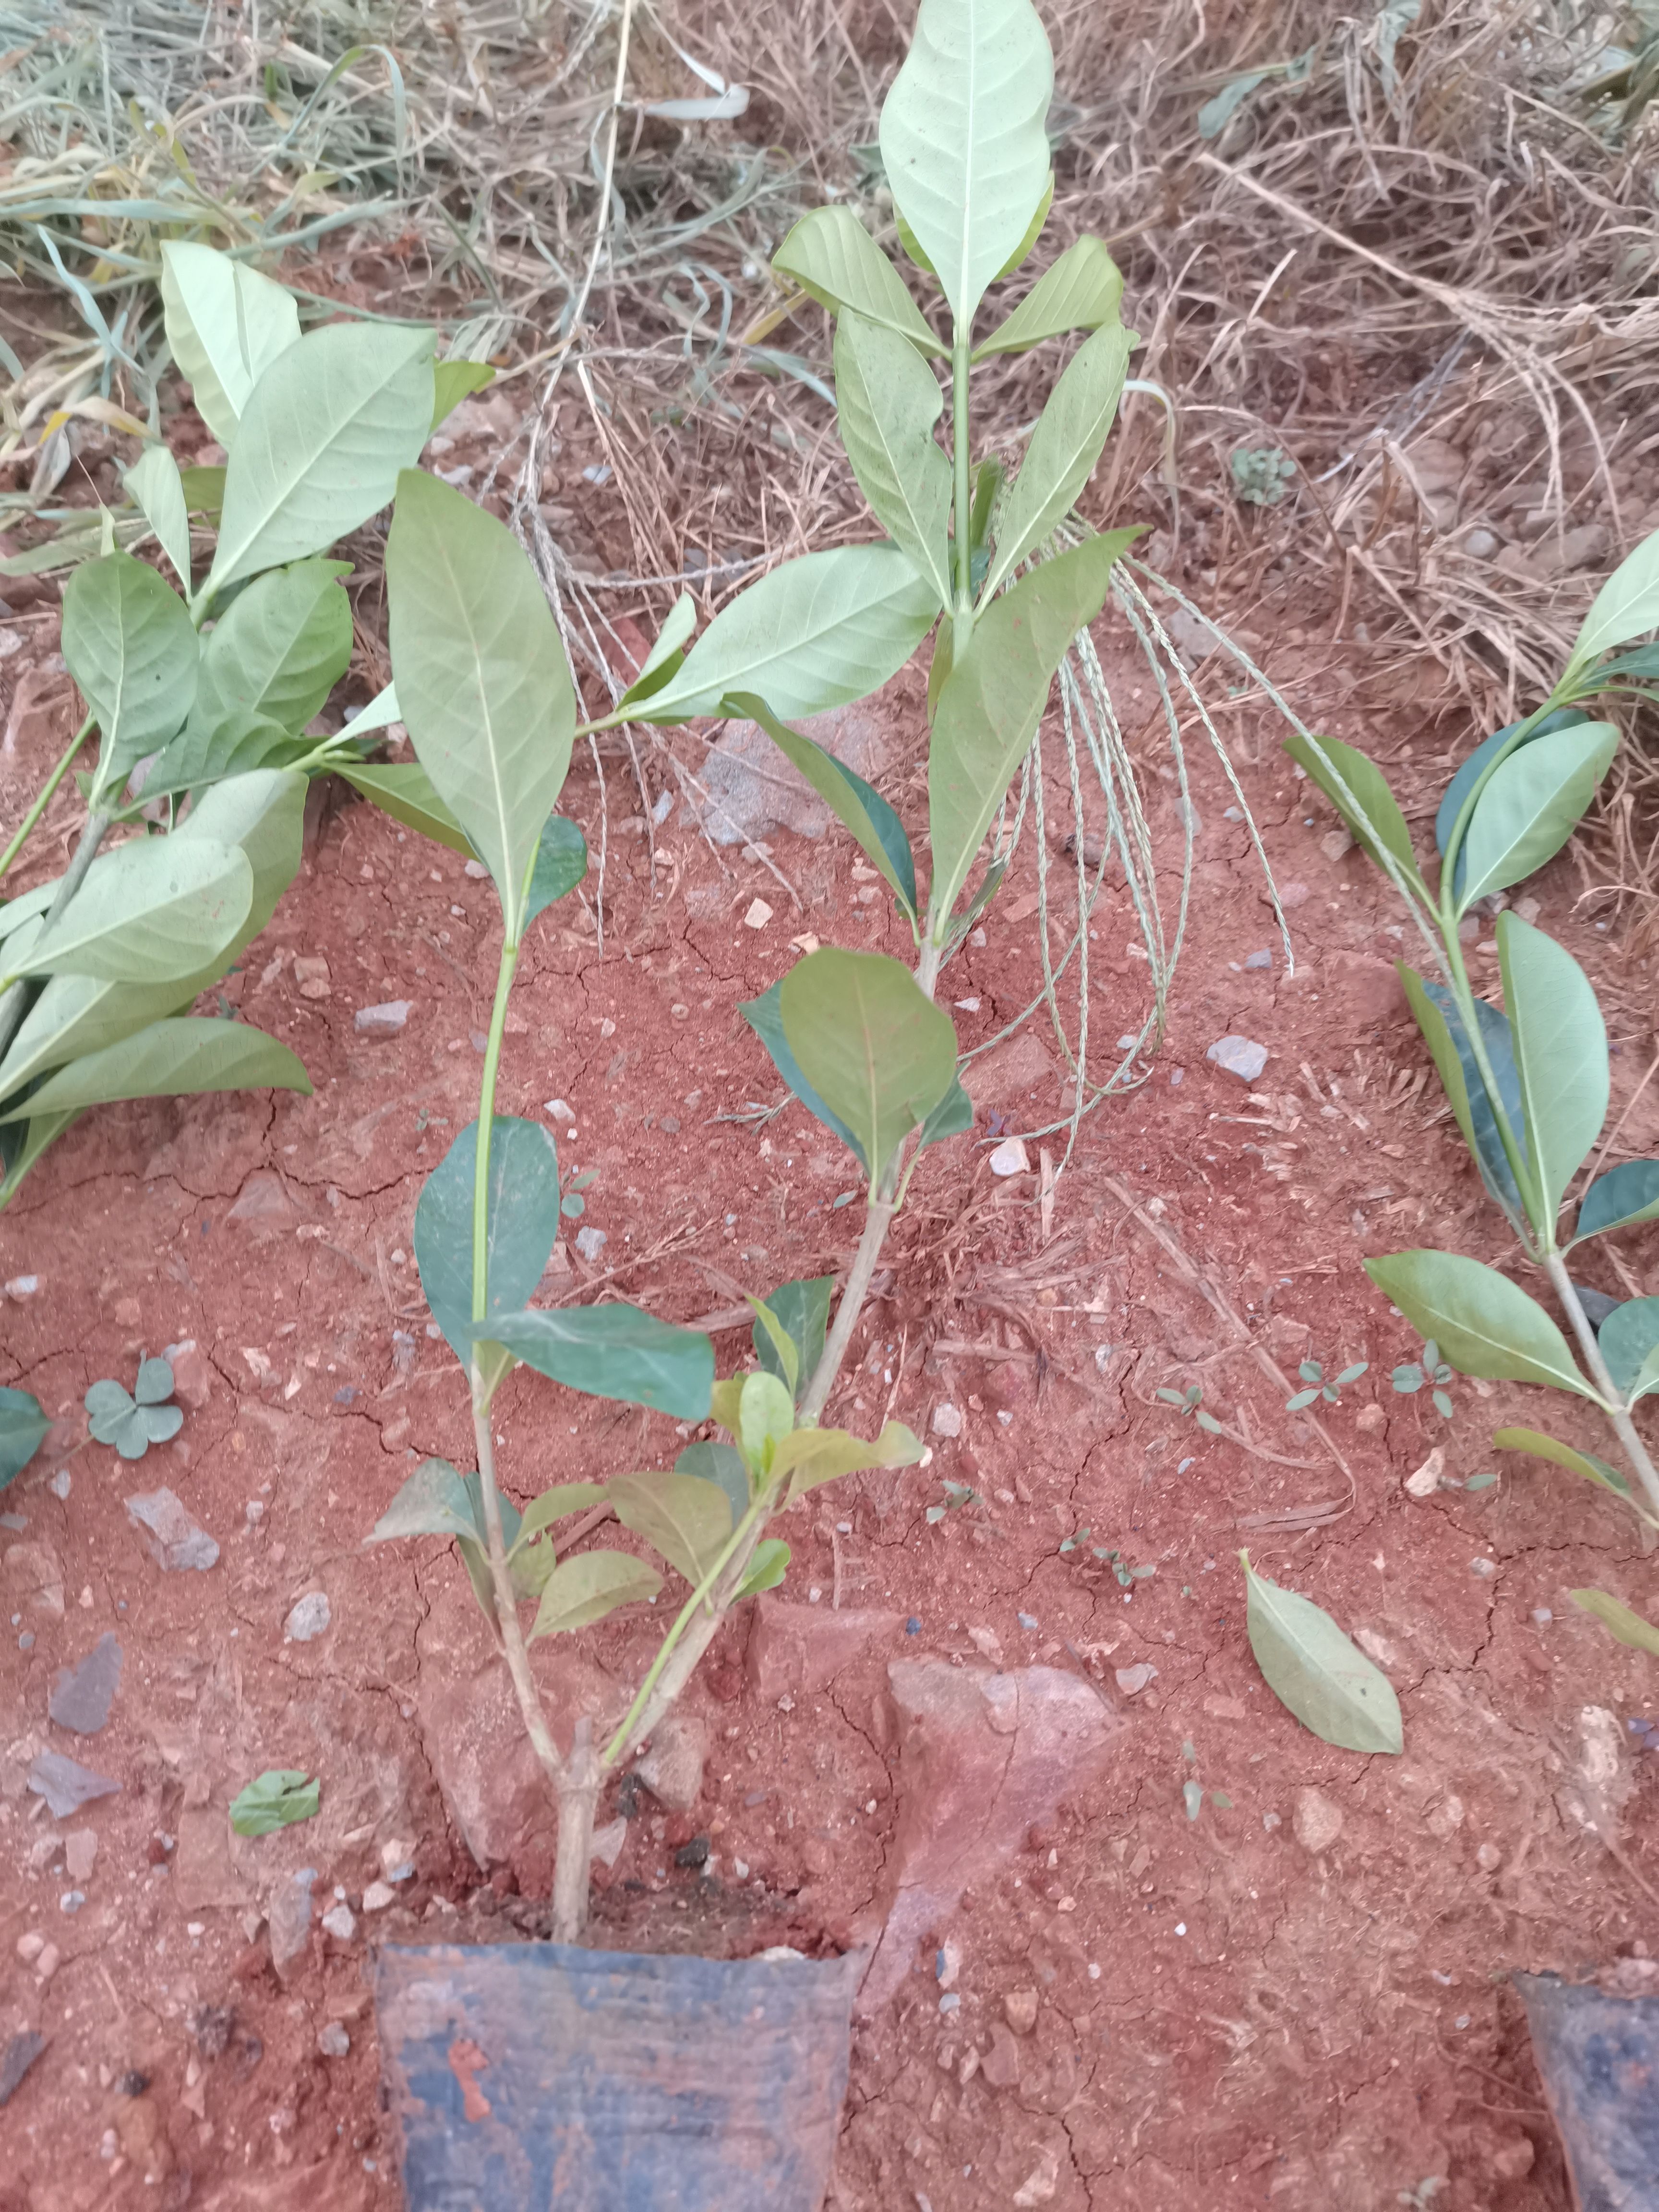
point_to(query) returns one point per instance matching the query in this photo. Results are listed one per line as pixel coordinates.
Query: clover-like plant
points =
(1527, 1084)
(132, 1420)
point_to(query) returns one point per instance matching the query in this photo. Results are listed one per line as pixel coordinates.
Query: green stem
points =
(47, 792)
(486, 1129)
(1463, 991)
(961, 344)
(1612, 1402)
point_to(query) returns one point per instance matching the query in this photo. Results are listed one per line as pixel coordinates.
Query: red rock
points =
(1000, 2063)
(1363, 988)
(1012, 1074)
(796, 1649)
(984, 1759)
(264, 1203)
(192, 1374)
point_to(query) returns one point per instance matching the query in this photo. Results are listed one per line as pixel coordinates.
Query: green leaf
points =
(23, 1425)
(1483, 1323)
(878, 1052)
(277, 1798)
(1063, 449)
(21, 1147)
(858, 804)
(782, 1356)
(765, 1416)
(584, 1589)
(1560, 1057)
(153, 909)
(887, 401)
(764, 1016)
(1477, 763)
(554, 1504)
(1531, 805)
(722, 1464)
(204, 490)
(833, 259)
(561, 864)
(523, 1221)
(434, 1501)
(1626, 1337)
(1315, 1672)
(1617, 1618)
(278, 651)
(109, 1405)
(767, 1568)
(1537, 1446)
(455, 380)
(1442, 1024)
(616, 1351)
(801, 1309)
(1626, 605)
(990, 704)
(226, 325)
(481, 675)
(203, 754)
(155, 1384)
(811, 1457)
(1360, 791)
(686, 1518)
(404, 790)
(181, 1058)
(154, 481)
(1034, 230)
(1083, 290)
(1619, 1199)
(812, 633)
(332, 423)
(667, 654)
(129, 643)
(965, 141)
(953, 1114)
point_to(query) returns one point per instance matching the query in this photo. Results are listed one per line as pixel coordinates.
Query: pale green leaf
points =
(276, 1799)
(833, 257)
(764, 1018)
(554, 1504)
(404, 790)
(687, 1519)
(154, 481)
(1063, 449)
(1625, 606)
(1622, 1624)
(811, 1457)
(1484, 1324)
(767, 1568)
(855, 803)
(784, 1353)
(991, 702)
(332, 424)
(278, 651)
(379, 713)
(668, 651)
(765, 1416)
(522, 1225)
(481, 673)
(1537, 1446)
(1530, 806)
(205, 753)
(584, 1589)
(963, 138)
(1360, 791)
(1629, 1338)
(226, 325)
(178, 1059)
(130, 644)
(1560, 1055)
(433, 1501)
(1315, 1672)
(875, 1049)
(887, 400)
(1081, 291)
(455, 380)
(152, 910)
(812, 633)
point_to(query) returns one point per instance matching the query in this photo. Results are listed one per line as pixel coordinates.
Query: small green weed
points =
(134, 1421)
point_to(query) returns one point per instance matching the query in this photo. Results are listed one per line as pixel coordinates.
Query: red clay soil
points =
(1298, 1998)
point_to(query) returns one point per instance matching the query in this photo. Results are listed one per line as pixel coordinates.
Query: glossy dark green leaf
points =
(721, 1464)
(616, 1351)
(953, 1115)
(561, 864)
(855, 803)
(1531, 805)
(1484, 1324)
(584, 1589)
(1360, 791)
(129, 642)
(1560, 1055)
(880, 1052)
(183, 1057)
(523, 1224)
(990, 704)
(276, 1799)
(433, 1501)
(1471, 771)
(887, 401)
(1625, 1194)
(687, 1519)
(23, 1425)
(801, 1309)
(1315, 1672)
(404, 790)
(764, 1018)
(1442, 1024)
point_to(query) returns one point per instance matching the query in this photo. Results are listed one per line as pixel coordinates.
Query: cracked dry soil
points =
(1223, 2017)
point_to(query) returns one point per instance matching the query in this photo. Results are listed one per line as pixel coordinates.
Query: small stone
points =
(1132, 1681)
(1543, 1615)
(1239, 1056)
(308, 1619)
(192, 1373)
(947, 1420)
(312, 976)
(378, 1896)
(758, 915)
(288, 1918)
(22, 1286)
(608, 1843)
(1042, 2185)
(1258, 959)
(558, 1110)
(384, 1020)
(67, 1785)
(81, 1853)
(397, 1859)
(1028, 1621)
(1318, 1822)
(1336, 844)
(82, 1695)
(947, 1965)
(71, 1901)
(987, 1643)
(952, 2003)
(1010, 1158)
(30, 1946)
(1528, 911)
(341, 1923)
(477, 869)
(1479, 545)
(1426, 1480)
(1000, 2063)
(671, 1770)
(46, 1965)
(1291, 895)
(173, 1539)
(590, 1243)
(19, 2054)
(1020, 2008)
(59, 1485)
(332, 2040)
(1483, 1570)
(1489, 1858)
(1370, 1418)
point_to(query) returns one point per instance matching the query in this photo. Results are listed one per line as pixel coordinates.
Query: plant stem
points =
(1463, 991)
(486, 1130)
(1624, 1428)
(960, 346)
(513, 1647)
(579, 1798)
(44, 799)
(877, 1216)
(14, 1000)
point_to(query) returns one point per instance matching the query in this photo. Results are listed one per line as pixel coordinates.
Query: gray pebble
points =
(173, 1539)
(382, 1021)
(82, 1695)
(332, 2040)
(341, 1923)
(71, 1900)
(1239, 1056)
(590, 1243)
(308, 1619)
(66, 1784)
(1258, 959)
(59, 1484)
